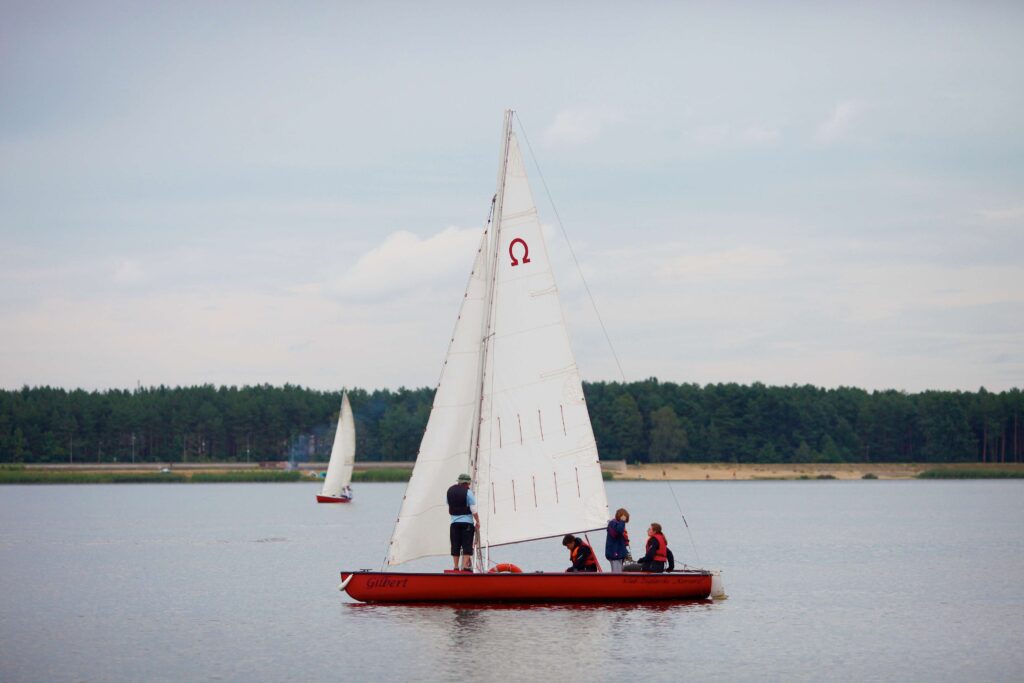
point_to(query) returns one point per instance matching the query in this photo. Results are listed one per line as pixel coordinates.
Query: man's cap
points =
(465, 477)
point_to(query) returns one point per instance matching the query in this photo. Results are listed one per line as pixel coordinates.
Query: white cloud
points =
(128, 272)
(405, 262)
(578, 126)
(740, 263)
(839, 123)
(1005, 215)
(224, 337)
(757, 135)
(727, 135)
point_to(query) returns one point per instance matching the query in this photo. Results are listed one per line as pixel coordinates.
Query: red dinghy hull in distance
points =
(538, 587)
(332, 499)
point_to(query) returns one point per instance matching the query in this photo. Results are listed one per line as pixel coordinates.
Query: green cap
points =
(465, 477)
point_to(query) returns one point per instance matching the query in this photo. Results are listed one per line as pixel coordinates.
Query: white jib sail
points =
(422, 526)
(343, 452)
(537, 471)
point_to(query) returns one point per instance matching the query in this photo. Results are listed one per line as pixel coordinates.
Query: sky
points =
(244, 193)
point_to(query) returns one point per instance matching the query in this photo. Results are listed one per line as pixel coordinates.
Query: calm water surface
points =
(827, 580)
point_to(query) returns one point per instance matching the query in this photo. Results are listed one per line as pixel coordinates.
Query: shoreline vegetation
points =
(613, 470)
(650, 421)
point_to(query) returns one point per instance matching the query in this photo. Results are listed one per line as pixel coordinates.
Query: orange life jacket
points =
(661, 552)
(591, 560)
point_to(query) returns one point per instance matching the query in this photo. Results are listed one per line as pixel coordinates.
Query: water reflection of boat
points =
(510, 410)
(618, 607)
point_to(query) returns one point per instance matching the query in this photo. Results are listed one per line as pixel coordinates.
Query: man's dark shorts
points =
(462, 538)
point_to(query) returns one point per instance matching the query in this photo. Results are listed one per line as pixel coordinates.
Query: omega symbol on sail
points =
(512, 252)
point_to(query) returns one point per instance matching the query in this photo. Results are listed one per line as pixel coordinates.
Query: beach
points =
(753, 471)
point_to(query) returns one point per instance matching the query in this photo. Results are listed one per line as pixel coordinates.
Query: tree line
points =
(647, 421)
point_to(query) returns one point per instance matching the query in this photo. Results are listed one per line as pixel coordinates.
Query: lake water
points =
(827, 580)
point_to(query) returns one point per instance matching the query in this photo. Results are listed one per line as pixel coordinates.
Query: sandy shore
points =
(748, 472)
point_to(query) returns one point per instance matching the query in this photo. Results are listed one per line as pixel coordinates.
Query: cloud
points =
(1010, 214)
(739, 263)
(404, 262)
(839, 123)
(129, 272)
(578, 126)
(727, 135)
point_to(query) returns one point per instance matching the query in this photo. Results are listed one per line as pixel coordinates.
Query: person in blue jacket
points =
(616, 544)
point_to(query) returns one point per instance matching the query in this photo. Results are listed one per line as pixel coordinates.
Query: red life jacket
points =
(591, 560)
(661, 552)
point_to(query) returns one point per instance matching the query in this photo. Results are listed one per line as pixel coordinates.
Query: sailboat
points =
(509, 410)
(343, 455)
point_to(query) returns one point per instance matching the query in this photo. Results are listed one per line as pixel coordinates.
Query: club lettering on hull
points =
(512, 254)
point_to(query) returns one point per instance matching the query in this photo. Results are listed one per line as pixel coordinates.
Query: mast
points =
(488, 321)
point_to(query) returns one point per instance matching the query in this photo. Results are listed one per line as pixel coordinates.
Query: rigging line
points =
(561, 226)
(685, 524)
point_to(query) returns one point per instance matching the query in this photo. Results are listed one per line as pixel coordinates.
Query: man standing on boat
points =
(465, 522)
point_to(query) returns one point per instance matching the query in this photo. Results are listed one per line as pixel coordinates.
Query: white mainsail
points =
(445, 450)
(511, 371)
(343, 453)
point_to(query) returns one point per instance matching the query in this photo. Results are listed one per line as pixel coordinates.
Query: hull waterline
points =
(332, 499)
(538, 587)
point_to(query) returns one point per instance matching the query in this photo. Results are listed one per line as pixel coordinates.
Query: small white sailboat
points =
(343, 456)
(510, 410)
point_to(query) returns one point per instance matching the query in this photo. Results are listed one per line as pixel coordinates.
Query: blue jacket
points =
(615, 543)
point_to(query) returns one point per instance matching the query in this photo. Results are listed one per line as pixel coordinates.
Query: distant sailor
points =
(465, 522)
(580, 554)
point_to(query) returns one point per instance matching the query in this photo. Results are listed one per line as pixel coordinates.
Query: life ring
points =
(505, 567)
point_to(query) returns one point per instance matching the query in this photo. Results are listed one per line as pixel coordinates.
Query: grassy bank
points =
(245, 475)
(44, 477)
(61, 477)
(971, 473)
(383, 474)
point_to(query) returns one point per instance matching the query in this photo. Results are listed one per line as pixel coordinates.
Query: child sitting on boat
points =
(658, 553)
(580, 554)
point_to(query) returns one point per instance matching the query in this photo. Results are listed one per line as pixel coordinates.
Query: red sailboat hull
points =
(332, 499)
(539, 587)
